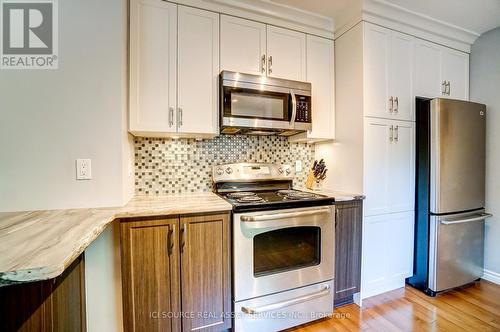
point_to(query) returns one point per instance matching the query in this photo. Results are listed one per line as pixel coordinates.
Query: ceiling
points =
(477, 16)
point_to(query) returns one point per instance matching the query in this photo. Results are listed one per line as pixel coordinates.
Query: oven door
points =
(244, 105)
(280, 250)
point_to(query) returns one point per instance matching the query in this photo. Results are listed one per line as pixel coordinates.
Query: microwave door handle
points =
(294, 109)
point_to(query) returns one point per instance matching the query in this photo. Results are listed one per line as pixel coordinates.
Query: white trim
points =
(494, 277)
(268, 12)
(395, 17)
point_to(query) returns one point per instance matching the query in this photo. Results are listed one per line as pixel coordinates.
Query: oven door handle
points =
(277, 216)
(294, 109)
(279, 305)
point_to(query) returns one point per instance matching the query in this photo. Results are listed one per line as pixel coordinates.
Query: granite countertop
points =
(40, 245)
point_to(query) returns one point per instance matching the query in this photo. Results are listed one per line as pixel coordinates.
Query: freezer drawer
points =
(457, 148)
(456, 247)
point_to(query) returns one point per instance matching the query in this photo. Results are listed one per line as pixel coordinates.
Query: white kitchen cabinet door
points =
(377, 179)
(399, 253)
(402, 167)
(387, 252)
(242, 45)
(286, 53)
(377, 41)
(427, 72)
(320, 73)
(198, 69)
(401, 76)
(153, 65)
(455, 69)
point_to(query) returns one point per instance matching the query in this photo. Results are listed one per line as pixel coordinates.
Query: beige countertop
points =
(339, 196)
(40, 245)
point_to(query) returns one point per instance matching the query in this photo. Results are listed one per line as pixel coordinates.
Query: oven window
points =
(244, 103)
(286, 249)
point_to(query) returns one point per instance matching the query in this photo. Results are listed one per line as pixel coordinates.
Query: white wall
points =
(485, 88)
(50, 118)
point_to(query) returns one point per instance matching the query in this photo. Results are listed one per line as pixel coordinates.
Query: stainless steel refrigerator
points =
(450, 194)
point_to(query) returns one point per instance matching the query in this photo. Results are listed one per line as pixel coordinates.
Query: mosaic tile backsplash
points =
(168, 166)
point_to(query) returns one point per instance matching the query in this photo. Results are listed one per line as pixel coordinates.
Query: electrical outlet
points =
(298, 166)
(83, 169)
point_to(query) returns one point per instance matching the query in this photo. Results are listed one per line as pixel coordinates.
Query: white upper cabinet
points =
(377, 136)
(389, 166)
(455, 70)
(198, 75)
(174, 66)
(256, 48)
(401, 81)
(427, 78)
(242, 45)
(153, 66)
(376, 70)
(402, 167)
(286, 54)
(388, 62)
(320, 73)
(440, 71)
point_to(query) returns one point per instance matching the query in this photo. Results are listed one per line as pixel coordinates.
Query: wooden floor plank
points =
(472, 308)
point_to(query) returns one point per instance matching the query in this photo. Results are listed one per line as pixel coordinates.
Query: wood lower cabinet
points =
(176, 273)
(53, 305)
(205, 272)
(348, 227)
(150, 272)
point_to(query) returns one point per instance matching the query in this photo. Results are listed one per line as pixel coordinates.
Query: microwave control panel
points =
(303, 109)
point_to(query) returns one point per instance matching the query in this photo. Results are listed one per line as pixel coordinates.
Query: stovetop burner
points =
(250, 199)
(241, 194)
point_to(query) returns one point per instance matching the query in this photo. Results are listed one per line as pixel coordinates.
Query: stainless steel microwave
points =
(260, 105)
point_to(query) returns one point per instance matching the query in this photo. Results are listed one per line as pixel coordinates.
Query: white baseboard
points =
(494, 277)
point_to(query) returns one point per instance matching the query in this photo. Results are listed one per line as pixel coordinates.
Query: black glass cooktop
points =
(274, 199)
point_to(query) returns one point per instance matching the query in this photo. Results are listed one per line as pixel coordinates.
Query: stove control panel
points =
(251, 172)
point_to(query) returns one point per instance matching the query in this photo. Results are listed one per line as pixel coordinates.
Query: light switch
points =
(298, 166)
(83, 169)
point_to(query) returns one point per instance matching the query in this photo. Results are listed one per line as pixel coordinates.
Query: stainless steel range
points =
(283, 247)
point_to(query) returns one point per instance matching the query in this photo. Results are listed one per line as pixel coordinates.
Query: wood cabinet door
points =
(45, 306)
(206, 272)
(401, 80)
(286, 53)
(150, 274)
(198, 71)
(427, 72)
(377, 41)
(399, 252)
(242, 45)
(153, 66)
(377, 140)
(348, 230)
(320, 73)
(455, 68)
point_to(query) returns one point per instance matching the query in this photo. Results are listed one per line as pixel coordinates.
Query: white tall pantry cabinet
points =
(375, 136)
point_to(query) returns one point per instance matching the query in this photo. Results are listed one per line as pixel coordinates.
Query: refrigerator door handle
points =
(481, 216)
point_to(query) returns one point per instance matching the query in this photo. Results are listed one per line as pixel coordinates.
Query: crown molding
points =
(395, 17)
(268, 12)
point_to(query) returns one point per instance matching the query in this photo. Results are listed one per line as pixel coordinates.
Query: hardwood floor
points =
(472, 308)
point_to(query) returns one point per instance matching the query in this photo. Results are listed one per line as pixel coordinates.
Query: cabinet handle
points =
(170, 116)
(449, 88)
(184, 231)
(170, 240)
(396, 135)
(391, 135)
(396, 102)
(270, 65)
(263, 63)
(179, 116)
(443, 88)
(391, 104)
